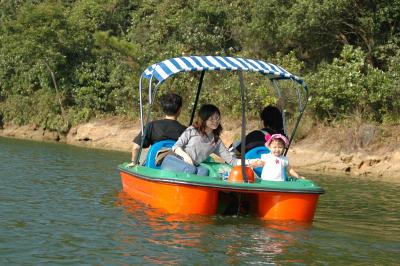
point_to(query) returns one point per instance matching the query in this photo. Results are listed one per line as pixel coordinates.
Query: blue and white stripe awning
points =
(165, 69)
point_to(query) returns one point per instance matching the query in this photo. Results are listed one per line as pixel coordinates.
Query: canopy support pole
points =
(281, 104)
(301, 112)
(197, 97)
(243, 133)
(152, 95)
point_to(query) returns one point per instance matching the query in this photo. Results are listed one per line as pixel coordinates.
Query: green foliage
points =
(349, 86)
(16, 109)
(64, 62)
(40, 109)
(32, 43)
(102, 87)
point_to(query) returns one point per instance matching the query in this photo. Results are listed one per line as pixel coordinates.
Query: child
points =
(274, 163)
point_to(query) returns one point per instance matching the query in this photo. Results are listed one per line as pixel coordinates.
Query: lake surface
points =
(62, 205)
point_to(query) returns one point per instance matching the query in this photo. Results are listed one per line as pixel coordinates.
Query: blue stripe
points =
(284, 72)
(149, 69)
(158, 76)
(210, 63)
(259, 68)
(273, 67)
(233, 63)
(263, 67)
(188, 64)
(198, 62)
(166, 69)
(222, 63)
(276, 72)
(173, 61)
(251, 64)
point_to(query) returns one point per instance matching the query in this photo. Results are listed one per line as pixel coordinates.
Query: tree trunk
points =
(53, 77)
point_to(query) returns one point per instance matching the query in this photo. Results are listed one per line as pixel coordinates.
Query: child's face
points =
(276, 147)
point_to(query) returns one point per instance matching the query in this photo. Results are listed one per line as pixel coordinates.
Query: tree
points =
(35, 42)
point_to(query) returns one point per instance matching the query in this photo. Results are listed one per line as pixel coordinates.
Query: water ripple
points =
(64, 205)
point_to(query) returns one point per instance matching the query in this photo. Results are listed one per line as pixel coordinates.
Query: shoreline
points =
(317, 153)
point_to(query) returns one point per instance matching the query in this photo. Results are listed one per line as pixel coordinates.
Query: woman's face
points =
(213, 121)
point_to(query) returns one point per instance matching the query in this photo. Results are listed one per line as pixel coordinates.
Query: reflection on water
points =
(63, 205)
(173, 230)
(238, 239)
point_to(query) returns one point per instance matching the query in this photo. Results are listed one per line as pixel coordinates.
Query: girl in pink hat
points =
(274, 163)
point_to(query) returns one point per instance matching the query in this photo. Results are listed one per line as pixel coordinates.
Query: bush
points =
(349, 86)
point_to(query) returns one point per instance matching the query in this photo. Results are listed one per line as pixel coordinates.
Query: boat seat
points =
(152, 153)
(255, 153)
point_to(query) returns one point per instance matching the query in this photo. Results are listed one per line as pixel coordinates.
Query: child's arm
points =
(252, 162)
(292, 172)
(255, 163)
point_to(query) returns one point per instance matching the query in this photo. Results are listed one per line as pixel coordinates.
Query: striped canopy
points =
(165, 69)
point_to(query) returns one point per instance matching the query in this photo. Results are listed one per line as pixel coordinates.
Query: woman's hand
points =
(184, 155)
(187, 159)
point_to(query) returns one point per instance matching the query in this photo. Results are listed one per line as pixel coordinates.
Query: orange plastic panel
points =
(173, 198)
(287, 206)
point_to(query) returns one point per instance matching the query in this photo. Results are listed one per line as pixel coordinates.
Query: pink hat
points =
(269, 138)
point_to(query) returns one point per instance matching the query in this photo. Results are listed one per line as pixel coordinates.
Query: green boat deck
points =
(215, 180)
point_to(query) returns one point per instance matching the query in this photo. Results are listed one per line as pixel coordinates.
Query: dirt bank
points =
(356, 149)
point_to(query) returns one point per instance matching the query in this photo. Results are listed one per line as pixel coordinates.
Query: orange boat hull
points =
(173, 198)
(192, 199)
(287, 206)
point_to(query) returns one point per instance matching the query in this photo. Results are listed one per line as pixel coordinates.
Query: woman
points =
(273, 124)
(197, 142)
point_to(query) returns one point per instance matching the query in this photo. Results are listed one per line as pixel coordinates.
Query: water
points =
(62, 205)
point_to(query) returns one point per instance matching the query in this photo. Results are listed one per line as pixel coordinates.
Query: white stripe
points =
(296, 77)
(182, 64)
(226, 63)
(150, 69)
(237, 62)
(194, 63)
(259, 67)
(278, 69)
(287, 74)
(247, 64)
(266, 66)
(161, 72)
(215, 62)
(148, 72)
(204, 63)
(171, 66)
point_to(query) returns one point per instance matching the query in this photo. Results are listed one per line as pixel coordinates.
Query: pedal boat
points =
(181, 193)
(192, 194)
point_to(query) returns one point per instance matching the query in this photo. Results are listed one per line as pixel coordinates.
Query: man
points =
(167, 128)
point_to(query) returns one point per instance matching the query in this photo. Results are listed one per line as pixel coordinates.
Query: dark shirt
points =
(256, 138)
(160, 130)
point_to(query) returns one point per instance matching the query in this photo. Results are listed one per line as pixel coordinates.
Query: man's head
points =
(272, 118)
(171, 103)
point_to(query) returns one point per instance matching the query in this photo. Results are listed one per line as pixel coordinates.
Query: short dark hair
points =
(272, 119)
(171, 103)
